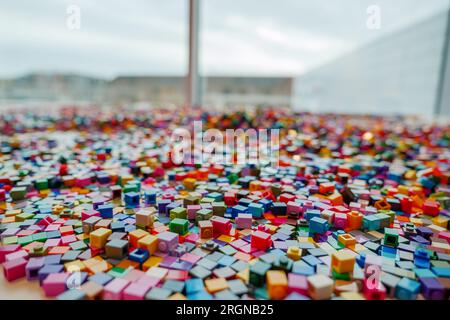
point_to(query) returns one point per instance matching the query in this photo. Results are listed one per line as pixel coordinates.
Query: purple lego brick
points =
(424, 232)
(33, 266)
(52, 259)
(432, 289)
(167, 261)
(181, 265)
(420, 240)
(167, 241)
(9, 232)
(47, 269)
(162, 205)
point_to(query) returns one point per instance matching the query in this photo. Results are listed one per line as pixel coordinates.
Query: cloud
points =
(283, 37)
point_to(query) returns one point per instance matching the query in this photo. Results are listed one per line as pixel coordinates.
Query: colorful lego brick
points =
(320, 287)
(318, 225)
(244, 221)
(179, 212)
(149, 243)
(14, 269)
(179, 226)
(221, 226)
(261, 240)
(277, 284)
(342, 261)
(206, 229)
(55, 284)
(98, 238)
(167, 241)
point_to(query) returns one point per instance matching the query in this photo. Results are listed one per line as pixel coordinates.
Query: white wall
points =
(396, 74)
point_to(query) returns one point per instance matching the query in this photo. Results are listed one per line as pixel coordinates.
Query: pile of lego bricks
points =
(92, 207)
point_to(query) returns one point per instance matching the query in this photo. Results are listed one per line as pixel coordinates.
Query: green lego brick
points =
(23, 241)
(41, 236)
(179, 226)
(179, 212)
(117, 272)
(10, 240)
(24, 216)
(42, 184)
(258, 272)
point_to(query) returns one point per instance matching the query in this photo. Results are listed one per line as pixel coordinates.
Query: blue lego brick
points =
(318, 225)
(106, 210)
(139, 255)
(256, 209)
(193, 286)
(312, 213)
(407, 289)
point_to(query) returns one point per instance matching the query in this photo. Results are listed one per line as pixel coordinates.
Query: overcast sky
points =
(238, 37)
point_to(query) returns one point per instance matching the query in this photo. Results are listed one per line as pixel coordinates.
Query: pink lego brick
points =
(52, 227)
(68, 239)
(114, 289)
(340, 220)
(192, 210)
(374, 291)
(136, 291)
(192, 238)
(45, 221)
(149, 280)
(244, 221)
(444, 235)
(55, 284)
(189, 257)
(89, 213)
(14, 269)
(17, 255)
(7, 249)
(52, 243)
(297, 283)
(294, 208)
(134, 275)
(83, 181)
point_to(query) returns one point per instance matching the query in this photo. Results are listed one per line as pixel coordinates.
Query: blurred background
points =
(347, 56)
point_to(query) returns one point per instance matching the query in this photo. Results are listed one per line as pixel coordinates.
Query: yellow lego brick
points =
(243, 275)
(189, 183)
(352, 296)
(149, 243)
(342, 261)
(99, 237)
(295, 253)
(177, 296)
(216, 285)
(12, 213)
(440, 221)
(225, 238)
(151, 262)
(75, 266)
(135, 235)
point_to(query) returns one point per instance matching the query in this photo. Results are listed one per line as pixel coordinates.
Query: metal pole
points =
(442, 74)
(193, 97)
